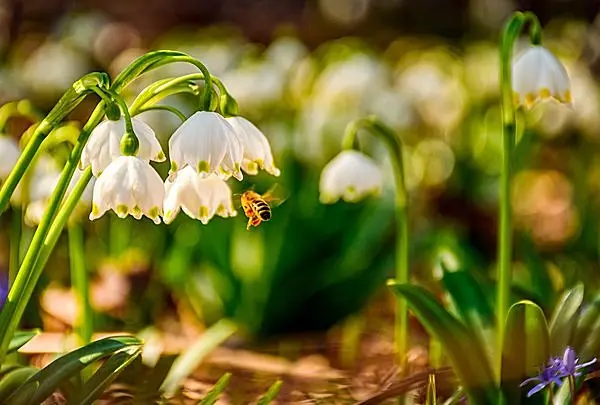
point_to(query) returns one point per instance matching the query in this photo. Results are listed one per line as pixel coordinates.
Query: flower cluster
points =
(204, 152)
(556, 370)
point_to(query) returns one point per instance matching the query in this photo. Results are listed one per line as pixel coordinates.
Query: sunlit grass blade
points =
(525, 349)
(463, 349)
(20, 339)
(104, 376)
(189, 360)
(270, 394)
(46, 380)
(564, 319)
(213, 395)
(431, 398)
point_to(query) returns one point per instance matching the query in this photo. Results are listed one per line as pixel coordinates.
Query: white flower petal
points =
(9, 150)
(538, 75)
(207, 143)
(198, 196)
(257, 150)
(351, 175)
(104, 144)
(129, 186)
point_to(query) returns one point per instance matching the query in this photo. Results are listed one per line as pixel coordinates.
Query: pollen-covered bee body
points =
(256, 207)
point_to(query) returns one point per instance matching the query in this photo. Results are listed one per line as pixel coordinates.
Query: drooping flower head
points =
(104, 144)
(129, 186)
(351, 175)
(207, 143)
(257, 150)
(198, 196)
(538, 75)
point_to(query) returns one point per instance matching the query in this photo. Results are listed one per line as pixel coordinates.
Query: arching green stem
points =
(394, 146)
(168, 108)
(510, 34)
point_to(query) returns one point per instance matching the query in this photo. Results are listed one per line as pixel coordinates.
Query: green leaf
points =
(20, 338)
(525, 349)
(564, 319)
(472, 306)
(13, 379)
(46, 380)
(431, 398)
(189, 360)
(463, 349)
(586, 339)
(104, 376)
(270, 394)
(212, 395)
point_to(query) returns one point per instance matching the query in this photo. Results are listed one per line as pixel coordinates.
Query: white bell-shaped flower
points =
(9, 152)
(42, 184)
(257, 150)
(207, 143)
(538, 75)
(104, 144)
(129, 186)
(200, 197)
(351, 175)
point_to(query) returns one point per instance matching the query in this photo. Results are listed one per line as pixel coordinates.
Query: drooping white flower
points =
(207, 143)
(200, 197)
(129, 186)
(351, 175)
(257, 150)
(538, 75)
(9, 151)
(104, 144)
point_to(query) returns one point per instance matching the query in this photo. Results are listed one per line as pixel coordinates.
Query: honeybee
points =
(256, 206)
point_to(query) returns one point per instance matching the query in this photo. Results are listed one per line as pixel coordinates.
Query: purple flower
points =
(549, 374)
(569, 366)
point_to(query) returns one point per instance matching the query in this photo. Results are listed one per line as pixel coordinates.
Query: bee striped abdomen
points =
(262, 209)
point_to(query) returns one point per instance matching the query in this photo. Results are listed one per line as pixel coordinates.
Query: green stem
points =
(29, 273)
(572, 388)
(15, 244)
(84, 322)
(510, 34)
(394, 145)
(168, 108)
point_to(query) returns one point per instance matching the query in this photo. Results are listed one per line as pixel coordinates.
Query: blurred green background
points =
(301, 70)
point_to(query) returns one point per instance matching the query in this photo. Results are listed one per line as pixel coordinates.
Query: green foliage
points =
(213, 395)
(271, 393)
(431, 398)
(26, 385)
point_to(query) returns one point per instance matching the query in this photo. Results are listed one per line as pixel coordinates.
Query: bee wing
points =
(276, 195)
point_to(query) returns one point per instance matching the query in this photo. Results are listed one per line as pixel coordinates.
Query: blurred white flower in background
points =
(9, 154)
(257, 150)
(104, 144)
(199, 197)
(207, 143)
(351, 176)
(129, 186)
(52, 68)
(538, 75)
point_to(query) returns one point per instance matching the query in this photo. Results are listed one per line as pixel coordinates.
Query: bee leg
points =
(249, 224)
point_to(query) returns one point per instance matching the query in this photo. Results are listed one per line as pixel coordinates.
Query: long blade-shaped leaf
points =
(211, 397)
(586, 340)
(105, 375)
(525, 348)
(270, 394)
(431, 398)
(20, 338)
(50, 377)
(464, 351)
(564, 319)
(14, 379)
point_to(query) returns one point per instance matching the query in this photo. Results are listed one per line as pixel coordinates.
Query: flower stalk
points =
(394, 146)
(84, 321)
(510, 34)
